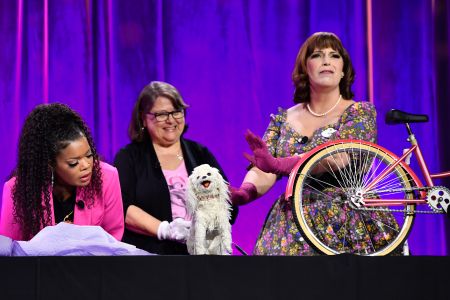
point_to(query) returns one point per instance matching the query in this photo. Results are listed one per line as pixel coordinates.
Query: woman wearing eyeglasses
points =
(154, 169)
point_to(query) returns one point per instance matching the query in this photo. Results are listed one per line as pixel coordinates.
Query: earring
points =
(53, 177)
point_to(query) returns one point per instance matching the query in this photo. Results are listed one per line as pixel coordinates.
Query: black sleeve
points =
(127, 177)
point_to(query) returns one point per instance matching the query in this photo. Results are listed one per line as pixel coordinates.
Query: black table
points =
(218, 277)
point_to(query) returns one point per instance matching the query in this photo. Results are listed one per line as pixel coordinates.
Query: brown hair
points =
(320, 40)
(145, 102)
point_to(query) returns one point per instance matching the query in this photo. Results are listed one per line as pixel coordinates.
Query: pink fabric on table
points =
(107, 210)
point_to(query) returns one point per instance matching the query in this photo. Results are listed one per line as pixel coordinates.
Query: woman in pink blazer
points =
(59, 178)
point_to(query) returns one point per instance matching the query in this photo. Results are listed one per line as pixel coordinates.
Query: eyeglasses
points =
(163, 116)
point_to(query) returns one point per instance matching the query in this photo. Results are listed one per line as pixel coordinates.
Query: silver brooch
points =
(327, 133)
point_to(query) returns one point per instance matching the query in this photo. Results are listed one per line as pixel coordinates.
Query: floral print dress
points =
(279, 235)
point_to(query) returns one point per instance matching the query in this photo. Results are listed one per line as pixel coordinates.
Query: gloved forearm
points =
(243, 195)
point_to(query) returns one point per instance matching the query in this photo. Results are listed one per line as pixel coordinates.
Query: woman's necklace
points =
(325, 113)
(64, 204)
(69, 218)
(165, 154)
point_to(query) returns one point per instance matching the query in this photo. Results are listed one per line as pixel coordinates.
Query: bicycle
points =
(364, 183)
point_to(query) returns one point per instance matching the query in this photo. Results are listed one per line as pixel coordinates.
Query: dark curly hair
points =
(48, 129)
(321, 40)
(145, 102)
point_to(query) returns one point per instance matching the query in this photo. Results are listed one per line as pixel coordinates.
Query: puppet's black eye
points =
(209, 174)
(198, 177)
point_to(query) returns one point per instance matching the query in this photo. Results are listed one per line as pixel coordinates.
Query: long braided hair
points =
(47, 130)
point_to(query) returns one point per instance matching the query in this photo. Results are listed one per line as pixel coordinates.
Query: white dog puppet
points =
(209, 205)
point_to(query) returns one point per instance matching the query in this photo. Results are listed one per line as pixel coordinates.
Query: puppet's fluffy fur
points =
(209, 205)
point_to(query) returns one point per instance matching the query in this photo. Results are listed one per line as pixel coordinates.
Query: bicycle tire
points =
(324, 212)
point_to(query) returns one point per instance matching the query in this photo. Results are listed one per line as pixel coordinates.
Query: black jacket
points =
(143, 184)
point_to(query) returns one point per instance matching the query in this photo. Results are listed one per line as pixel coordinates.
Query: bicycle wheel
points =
(325, 200)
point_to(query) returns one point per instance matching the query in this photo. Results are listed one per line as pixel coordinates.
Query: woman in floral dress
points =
(324, 111)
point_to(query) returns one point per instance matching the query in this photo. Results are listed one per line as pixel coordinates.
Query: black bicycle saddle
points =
(395, 116)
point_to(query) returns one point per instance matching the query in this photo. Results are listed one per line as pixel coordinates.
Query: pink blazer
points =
(107, 210)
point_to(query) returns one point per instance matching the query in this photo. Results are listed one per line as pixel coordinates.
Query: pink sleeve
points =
(8, 226)
(113, 221)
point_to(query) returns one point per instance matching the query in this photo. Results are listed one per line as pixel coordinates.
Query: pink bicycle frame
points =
(397, 161)
(425, 172)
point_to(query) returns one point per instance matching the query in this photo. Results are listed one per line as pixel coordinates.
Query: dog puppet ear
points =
(224, 191)
(216, 171)
(191, 201)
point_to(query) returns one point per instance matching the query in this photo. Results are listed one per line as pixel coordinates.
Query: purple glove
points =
(263, 160)
(243, 195)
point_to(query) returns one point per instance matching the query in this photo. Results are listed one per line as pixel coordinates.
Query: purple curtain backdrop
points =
(231, 61)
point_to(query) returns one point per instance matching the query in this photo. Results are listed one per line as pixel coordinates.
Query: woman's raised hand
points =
(263, 159)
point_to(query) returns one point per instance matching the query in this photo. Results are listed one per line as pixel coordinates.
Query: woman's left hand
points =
(264, 160)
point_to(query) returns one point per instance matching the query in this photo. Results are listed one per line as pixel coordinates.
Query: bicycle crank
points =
(438, 198)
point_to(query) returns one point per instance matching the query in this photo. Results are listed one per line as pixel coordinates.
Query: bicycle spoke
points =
(320, 192)
(349, 177)
(380, 221)
(385, 189)
(374, 169)
(354, 170)
(366, 230)
(328, 211)
(357, 156)
(342, 172)
(320, 181)
(345, 231)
